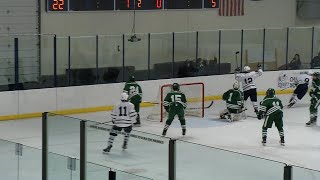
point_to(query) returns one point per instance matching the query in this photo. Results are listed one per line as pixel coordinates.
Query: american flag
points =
(231, 8)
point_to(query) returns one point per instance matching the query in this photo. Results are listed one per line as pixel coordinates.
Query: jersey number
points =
(176, 97)
(133, 90)
(230, 96)
(124, 108)
(248, 81)
(276, 104)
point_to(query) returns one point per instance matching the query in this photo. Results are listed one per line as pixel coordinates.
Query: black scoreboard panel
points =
(183, 4)
(96, 5)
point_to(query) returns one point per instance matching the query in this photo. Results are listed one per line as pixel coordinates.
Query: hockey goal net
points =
(195, 101)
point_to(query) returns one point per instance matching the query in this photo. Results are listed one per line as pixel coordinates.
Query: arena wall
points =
(84, 99)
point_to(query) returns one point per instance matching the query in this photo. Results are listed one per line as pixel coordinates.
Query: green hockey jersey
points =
(175, 99)
(315, 88)
(233, 98)
(271, 105)
(134, 91)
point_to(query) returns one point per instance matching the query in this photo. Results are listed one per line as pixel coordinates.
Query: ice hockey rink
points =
(151, 159)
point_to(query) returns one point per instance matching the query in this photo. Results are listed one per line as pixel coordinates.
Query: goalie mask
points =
(124, 97)
(175, 87)
(236, 86)
(270, 92)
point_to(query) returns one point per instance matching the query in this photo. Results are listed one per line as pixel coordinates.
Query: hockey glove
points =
(260, 116)
(166, 108)
(259, 66)
(237, 70)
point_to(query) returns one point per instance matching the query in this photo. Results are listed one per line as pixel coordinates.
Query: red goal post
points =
(195, 98)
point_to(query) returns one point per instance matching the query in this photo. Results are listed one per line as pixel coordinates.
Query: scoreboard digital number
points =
(94, 5)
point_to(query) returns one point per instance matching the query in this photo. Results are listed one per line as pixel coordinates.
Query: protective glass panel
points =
(146, 154)
(299, 48)
(210, 163)
(9, 160)
(121, 175)
(161, 54)
(208, 53)
(63, 135)
(47, 61)
(253, 48)
(110, 50)
(230, 57)
(315, 62)
(29, 61)
(83, 60)
(7, 76)
(185, 54)
(136, 56)
(62, 61)
(30, 163)
(58, 167)
(305, 174)
(275, 49)
(97, 172)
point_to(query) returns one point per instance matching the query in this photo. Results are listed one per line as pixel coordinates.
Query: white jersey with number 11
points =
(123, 114)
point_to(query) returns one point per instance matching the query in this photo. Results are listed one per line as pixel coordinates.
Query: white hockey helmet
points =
(246, 68)
(124, 96)
(310, 72)
(236, 85)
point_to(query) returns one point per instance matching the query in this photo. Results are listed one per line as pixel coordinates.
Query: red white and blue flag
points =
(231, 8)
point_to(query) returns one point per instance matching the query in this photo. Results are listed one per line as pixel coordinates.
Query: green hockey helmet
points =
(270, 92)
(316, 74)
(175, 87)
(132, 78)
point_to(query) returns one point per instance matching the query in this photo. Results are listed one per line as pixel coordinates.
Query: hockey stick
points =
(237, 58)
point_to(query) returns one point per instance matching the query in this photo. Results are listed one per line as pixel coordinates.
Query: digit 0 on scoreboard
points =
(211, 3)
(148, 4)
(58, 5)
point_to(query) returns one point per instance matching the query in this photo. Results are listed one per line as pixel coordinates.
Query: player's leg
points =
(113, 133)
(224, 114)
(278, 121)
(127, 131)
(298, 94)
(171, 115)
(182, 121)
(136, 104)
(254, 100)
(313, 111)
(267, 124)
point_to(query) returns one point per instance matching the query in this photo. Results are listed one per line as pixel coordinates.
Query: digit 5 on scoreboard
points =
(57, 5)
(148, 4)
(211, 3)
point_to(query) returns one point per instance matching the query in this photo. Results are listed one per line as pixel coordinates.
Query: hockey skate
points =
(125, 146)
(137, 123)
(164, 132)
(184, 132)
(312, 122)
(107, 150)
(264, 140)
(282, 141)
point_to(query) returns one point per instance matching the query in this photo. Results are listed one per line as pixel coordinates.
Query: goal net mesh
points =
(195, 101)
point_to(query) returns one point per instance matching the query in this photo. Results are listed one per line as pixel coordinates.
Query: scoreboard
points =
(97, 5)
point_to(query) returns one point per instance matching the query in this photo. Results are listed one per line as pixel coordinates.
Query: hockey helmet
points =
(236, 85)
(270, 92)
(316, 74)
(124, 96)
(132, 78)
(175, 87)
(246, 68)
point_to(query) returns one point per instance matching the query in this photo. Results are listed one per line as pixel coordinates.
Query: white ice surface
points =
(151, 159)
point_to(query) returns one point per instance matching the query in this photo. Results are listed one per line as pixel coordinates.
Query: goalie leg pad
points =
(236, 117)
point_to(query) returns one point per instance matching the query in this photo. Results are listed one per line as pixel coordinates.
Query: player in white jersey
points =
(123, 116)
(247, 79)
(303, 81)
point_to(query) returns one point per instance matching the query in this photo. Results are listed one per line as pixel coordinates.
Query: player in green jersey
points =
(133, 89)
(175, 102)
(315, 99)
(271, 108)
(234, 100)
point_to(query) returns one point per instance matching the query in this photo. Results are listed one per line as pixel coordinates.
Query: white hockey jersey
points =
(304, 79)
(123, 114)
(248, 79)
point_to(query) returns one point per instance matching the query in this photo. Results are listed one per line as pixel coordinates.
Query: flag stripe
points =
(231, 8)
